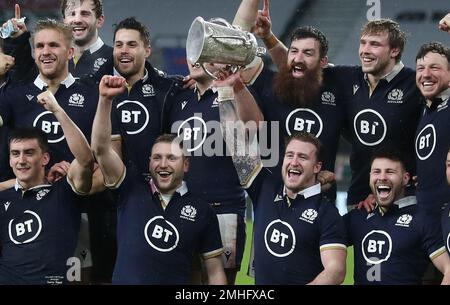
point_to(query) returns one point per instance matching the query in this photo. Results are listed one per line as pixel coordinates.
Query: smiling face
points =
(130, 54)
(300, 167)
(388, 179)
(52, 53)
(28, 162)
(81, 17)
(304, 55)
(376, 55)
(167, 166)
(432, 74)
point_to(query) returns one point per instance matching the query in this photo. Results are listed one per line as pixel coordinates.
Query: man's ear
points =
(395, 52)
(317, 167)
(324, 61)
(100, 21)
(186, 164)
(45, 158)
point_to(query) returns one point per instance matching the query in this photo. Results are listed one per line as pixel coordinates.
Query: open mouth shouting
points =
(298, 70)
(383, 191)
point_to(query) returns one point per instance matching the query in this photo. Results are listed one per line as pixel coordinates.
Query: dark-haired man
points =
(39, 222)
(161, 226)
(394, 243)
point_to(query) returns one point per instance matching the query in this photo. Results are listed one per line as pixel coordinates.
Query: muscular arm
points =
(110, 163)
(333, 261)
(442, 262)
(80, 171)
(214, 269)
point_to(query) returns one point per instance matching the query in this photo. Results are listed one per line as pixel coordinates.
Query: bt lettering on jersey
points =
(279, 238)
(193, 131)
(134, 116)
(161, 235)
(25, 229)
(303, 119)
(448, 242)
(50, 125)
(370, 127)
(206, 138)
(426, 142)
(376, 247)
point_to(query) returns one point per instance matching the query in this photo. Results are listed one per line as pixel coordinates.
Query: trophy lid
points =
(195, 40)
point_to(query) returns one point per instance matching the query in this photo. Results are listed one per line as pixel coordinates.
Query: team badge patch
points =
(76, 100)
(395, 96)
(404, 220)
(188, 212)
(328, 98)
(98, 63)
(309, 215)
(147, 90)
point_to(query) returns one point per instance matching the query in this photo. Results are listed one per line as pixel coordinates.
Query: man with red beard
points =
(381, 99)
(394, 243)
(303, 96)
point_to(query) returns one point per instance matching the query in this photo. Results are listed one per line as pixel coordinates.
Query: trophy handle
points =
(221, 21)
(233, 68)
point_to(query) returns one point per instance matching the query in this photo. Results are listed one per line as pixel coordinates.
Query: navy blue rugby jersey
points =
(79, 99)
(290, 233)
(325, 119)
(393, 247)
(38, 233)
(389, 115)
(137, 116)
(432, 143)
(92, 59)
(211, 174)
(446, 227)
(157, 246)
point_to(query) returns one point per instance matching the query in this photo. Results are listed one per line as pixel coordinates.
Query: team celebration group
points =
(114, 172)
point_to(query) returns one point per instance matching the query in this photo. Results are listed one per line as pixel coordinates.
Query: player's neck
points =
(375, 78)
(79, 49)
(54, 83)
(26, 185)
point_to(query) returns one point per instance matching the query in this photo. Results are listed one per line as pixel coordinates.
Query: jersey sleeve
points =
(332, 229)
(211, 242)
(256, 184)
(432, 236)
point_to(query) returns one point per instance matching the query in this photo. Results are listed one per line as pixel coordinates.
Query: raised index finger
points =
(266, 8)
(17, 11)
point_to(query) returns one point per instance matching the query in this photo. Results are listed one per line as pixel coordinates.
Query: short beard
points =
(298, 92)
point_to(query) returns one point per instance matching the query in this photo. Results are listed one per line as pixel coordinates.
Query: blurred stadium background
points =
(340, 20)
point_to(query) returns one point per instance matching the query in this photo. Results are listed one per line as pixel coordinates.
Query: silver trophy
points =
(217, 41)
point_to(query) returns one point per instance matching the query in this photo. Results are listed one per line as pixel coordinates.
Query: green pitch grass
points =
(244, 279)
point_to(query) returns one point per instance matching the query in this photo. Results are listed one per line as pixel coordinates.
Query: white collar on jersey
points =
(18, 186)
(308, 192)
(406, 201)
(96, 45)
(144, 79)
(69, 81)
(390, 76)
(444, 95)
(182, 189)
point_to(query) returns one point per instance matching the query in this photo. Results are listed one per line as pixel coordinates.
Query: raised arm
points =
(232, 87)
(18, 46)
(110, 163)
(240, 142)
(263, 29)
(80, 171)
(245, 18)
(444, 24)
